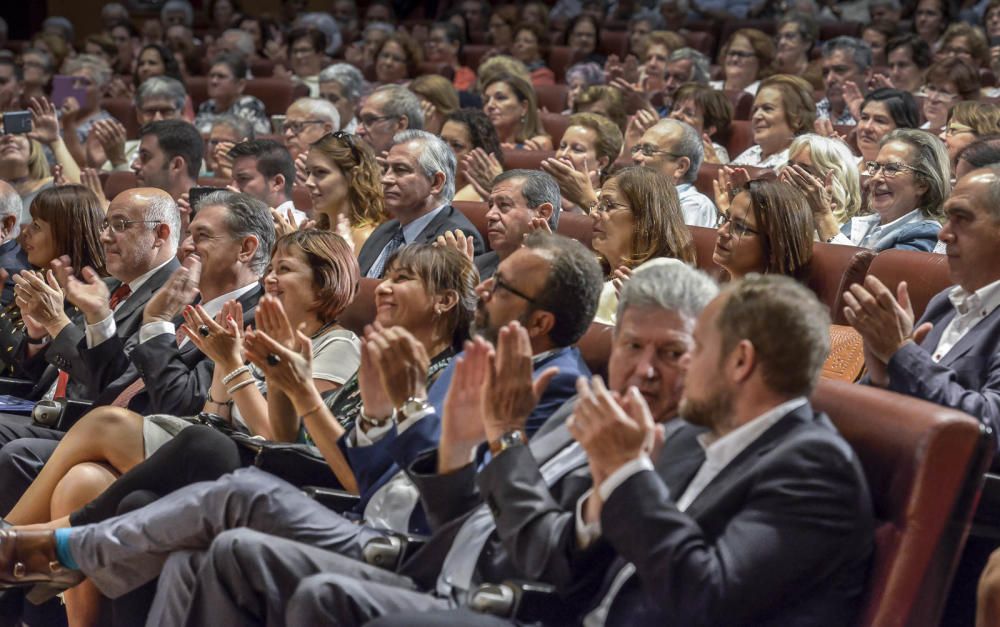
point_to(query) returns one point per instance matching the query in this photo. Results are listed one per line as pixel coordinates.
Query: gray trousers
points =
(251, 578)
(125, 552)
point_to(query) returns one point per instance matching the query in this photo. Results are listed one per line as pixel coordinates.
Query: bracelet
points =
(239, 386)
(39, 341)
(218, 403)
(235, 373)
(312, 411)
(371, 422)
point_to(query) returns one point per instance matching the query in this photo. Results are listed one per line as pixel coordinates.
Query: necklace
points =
(323, 329)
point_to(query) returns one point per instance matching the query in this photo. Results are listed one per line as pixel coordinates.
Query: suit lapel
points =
(375, 243)
(680, 458)
(429, 234)
(139, 299)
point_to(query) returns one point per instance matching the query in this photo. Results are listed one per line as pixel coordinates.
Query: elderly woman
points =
(341, 85)
(823, 169)
(797, 34)
(306, 57)
(93, 74)
(397, 59)
(582, 37)
(767, 228)
(967, 122)
(745, 59)
(471, 136)
(226, 81)
(909, 57)
(637, 219)
(782, 110)
(227, 131)
(966, 42)
(909, 182)
(580, 77)
(948, 82)
(589, 146)
(444, 45)
(883, 111)
(709, 112)
(511, 105)
(529, 48)
(438, 100)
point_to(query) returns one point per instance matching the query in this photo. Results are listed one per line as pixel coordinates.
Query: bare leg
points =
(988, 603)
(82, 483)
(106, 435)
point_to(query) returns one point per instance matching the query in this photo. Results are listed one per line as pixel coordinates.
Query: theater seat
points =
(361, 311)
(276, 93)
(302, 198)
(704, 246)
(833, 269)
(197, 88)
(926, 274)
(559, 60)
(552, 97)
(742, 102)
(476, 213)
(555, 124)
(123, 110)
(740, 138)
(525, 159)
(577, 226)
(261, 68)
(595, 347)
(924, 465)
(472, 54)
(613, 42)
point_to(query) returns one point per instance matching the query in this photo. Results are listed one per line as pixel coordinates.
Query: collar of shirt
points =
(413, 229)
(980, 303)
(214, 306)
(720, 451)
(135, 284)
(864, 227)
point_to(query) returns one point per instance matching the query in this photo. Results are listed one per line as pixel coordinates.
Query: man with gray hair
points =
(340, 84)
(418, 184)
(517, 199)
(12, 258)
(389, 109)
(158, 98)
(306, 120)
(177, 12)
(238, 42)
(684, 65)
(674, 148)
(847, 68)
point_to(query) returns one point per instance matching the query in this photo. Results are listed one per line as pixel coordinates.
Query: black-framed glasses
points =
(371, 120)
(889, 170)
(737, 227)
(649, 150)
(499, 283)
(120, 225)
(299, 126)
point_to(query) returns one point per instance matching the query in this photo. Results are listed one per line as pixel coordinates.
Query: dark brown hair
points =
(785, 226)
(75, 216)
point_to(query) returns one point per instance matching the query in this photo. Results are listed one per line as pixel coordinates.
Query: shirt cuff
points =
(841, 239)
(412, 420)
(586, 533)
(99, 332)
(152, 329)
(373, 435)
(621, 475)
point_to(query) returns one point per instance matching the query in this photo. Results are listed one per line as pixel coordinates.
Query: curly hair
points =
(414, 55)
(481, 131)
(356, 160)
(170, 67)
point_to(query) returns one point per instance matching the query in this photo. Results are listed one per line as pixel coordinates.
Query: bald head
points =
(10, 212)
(144, 231)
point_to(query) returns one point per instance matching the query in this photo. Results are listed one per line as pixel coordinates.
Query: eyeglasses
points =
(739, 54)
(606, 205)
(737, 228)
(372, 120)
(933, 93)
(499, 283)
(348, 140)
(297, 127)
(889, 170)
(649, 150)
(120, 225)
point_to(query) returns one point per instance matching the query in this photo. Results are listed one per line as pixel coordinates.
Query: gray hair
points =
(674, 286)
(116, 8)
(319, 109)
(178, 5)
(895, 5)
(161, 87)
(99, 70)
(10, 205)
(242, 40)
(435, 156)
(591, 73)
(385, 27)
(538, 188)
(163, 209)
(246, 217)
(932, 166)
(347, 76)
(402, 102)
(63, 24)
(687, 145)
(242, 126)
(859, 50)
(324, 23)
(700, 65)
(648, 15)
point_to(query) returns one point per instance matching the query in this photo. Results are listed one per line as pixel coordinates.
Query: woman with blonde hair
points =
(967, 122)
(438, 100)
(510, 103)
(824, 170)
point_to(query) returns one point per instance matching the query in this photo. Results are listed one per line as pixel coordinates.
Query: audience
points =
(381, 187)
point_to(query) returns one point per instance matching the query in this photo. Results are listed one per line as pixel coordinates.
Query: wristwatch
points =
(510, 439)
(411, 407)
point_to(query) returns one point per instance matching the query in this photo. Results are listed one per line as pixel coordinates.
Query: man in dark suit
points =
(12, 258)
(950, 356)
(419, 183)
(517, 198)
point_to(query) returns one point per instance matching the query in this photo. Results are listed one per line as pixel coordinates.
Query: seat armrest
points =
(392, 549)
(20, 388)
(523, 601)
(338, 500)
(73, 411)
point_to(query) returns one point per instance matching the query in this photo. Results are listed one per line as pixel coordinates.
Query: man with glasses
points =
(418, 183)
(847, 68)
(675, 149)
(390, 109)
(306, 120)
(158, 98)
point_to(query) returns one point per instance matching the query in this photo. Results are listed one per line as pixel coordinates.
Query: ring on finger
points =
(273, 359)
(203, 330)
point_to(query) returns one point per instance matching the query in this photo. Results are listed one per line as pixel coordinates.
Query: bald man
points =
(12, 258)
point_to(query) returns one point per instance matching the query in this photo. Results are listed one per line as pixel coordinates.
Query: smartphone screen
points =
(17, 122)
(66, 87)
(197, 193)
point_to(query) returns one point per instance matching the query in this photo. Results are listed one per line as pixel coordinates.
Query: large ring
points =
(273, 359)
(203, 330)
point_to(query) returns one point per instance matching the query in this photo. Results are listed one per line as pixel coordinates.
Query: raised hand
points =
(271, 318)
(44, 122)
(727, 183)
(853, 99)
(90, 179)
(224, 342)
(711, 155)
(458, 240)
(884, 321)
(283, 224)
(289, 370)
(462, 430)
(374, 399)
(643, 120)
(223, 162)
(41, 299)
(481, 168)
(402, 364)
(575, 186)
(541, 224)
(91, 295)
(620, 277)
(301, 172)
(111, 135)
(179, 290)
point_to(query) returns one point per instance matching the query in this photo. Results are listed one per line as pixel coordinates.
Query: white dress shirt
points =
(100, 332)
(971, 308)
(152, 329)
(698, 209)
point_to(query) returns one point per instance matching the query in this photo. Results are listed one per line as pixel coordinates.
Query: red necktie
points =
(117, 297)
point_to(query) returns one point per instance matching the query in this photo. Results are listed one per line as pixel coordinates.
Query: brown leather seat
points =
(262, 68)
(595, 347)
(197, 88)
(476, 213)
(361, 311)
(117, 182)
(555, 124)
(472, 54)
(302, 198)
(123, 110)
(926, 274)
(841, 28)
(276, 93)
(552, 97)
(924, 465)
(559, 60)
(740, 138)
(613, 42)
(525, 159)
(702, 41)
(704, 246)
(742, 102)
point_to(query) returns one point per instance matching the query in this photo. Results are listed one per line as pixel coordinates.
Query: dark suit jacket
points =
(967, 378)
(177, 379)
(63, 352)
(448, 219)
(13, 260)
(487, 264)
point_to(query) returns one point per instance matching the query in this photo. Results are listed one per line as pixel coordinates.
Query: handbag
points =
(298, 464)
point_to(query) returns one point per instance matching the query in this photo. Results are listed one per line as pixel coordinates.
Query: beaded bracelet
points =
(235, 373)
(239, 386)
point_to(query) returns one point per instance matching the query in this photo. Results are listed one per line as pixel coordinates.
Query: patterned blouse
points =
(249, 108)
